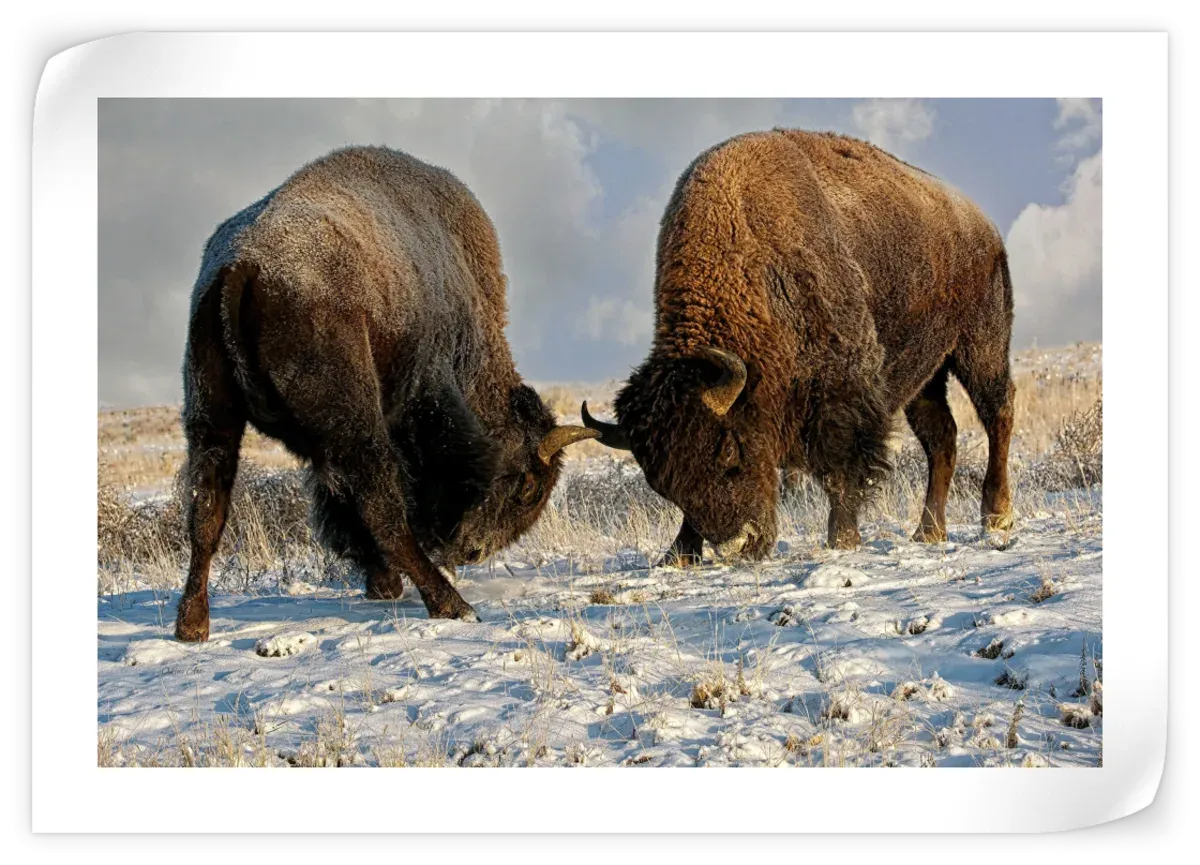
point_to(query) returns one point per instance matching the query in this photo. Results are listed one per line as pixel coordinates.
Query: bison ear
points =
(721, 396)
(527, 406)
(451, 460)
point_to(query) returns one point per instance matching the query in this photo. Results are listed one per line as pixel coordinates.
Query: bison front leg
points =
(686, 550)
(370, 471)
(844, 502)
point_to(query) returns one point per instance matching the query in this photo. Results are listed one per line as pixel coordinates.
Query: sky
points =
(575, 189)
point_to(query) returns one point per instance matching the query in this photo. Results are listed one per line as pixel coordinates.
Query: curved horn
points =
(561, 436)
(611, 434)
(721, 396)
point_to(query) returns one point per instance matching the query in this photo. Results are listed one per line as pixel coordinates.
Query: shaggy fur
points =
(850, 284)
(357, 314)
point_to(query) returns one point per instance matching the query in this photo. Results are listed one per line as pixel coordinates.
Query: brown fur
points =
(850, 284)
(357, 314)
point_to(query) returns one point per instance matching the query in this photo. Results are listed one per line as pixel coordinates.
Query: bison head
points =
(695, 428)
(500, 491)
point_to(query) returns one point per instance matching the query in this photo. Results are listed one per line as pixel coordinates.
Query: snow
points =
(888, 655)
(282, 645)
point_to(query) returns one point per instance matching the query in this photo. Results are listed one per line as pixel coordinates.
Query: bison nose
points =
(734, 546)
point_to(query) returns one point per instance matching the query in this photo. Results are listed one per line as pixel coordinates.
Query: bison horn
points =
(721, 396)
(561, 436)
(610, 434)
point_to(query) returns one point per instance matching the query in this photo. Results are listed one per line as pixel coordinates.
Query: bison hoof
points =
(453, 608)
(673, 559)
(191, 624)
(929, 535)
(997, 522)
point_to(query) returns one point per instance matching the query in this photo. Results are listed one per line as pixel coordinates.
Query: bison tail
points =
(232, 284)
(1002, 276)
(239, 327)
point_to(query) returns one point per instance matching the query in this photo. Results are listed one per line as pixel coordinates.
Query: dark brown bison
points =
(808, 287)
(356, 314)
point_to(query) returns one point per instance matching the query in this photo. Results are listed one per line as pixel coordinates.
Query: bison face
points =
(527, 456)
(695, 429)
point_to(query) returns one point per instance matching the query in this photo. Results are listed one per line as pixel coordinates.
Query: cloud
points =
(621, 320)
(1079, 121)
(892, 124)
(1055, 260)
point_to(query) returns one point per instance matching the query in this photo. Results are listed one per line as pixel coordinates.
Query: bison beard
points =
(356, 314)
(808, 288)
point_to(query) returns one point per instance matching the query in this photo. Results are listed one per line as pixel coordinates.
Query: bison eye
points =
(730, 454)
(529, 489)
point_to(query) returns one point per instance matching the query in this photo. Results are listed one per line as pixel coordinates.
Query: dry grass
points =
(1046, 590)
(268, 529)
(143, 449)
(604, 514)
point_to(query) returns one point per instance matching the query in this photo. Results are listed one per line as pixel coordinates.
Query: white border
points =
(1127, 70)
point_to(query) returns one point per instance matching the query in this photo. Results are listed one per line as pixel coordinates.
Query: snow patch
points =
(834, 577)
(145, 653)
(285, 644)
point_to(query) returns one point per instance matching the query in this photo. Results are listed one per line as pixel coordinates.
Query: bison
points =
(809, 286)
(356, 313)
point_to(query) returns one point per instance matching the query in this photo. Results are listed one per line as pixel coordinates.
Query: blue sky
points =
(575, 188)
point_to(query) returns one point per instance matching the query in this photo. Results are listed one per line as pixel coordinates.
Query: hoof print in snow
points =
(785, 617)
(995, 649)
(1013, 679)
(842, 708)
(282, 645)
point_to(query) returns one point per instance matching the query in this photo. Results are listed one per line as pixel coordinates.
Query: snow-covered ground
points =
(896, 654)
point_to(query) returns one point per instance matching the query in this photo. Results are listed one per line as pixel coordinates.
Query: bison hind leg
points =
(981, 363)
(933, 424)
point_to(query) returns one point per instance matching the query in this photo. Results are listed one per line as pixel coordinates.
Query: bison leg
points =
(988, 382)
(369, 471)
(844, 501)
(213, 420)
(327, 378)
(686, 550)
(212, 467)
(930, 418)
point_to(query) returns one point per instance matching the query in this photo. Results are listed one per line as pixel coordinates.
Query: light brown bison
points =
(356, 314)
(808, 287)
